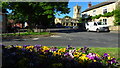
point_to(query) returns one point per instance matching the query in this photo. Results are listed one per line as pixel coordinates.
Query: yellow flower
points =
(62, 50)
(83, 57)
(31, 50)
(44, 48)
(76, 55)
(19, 47)
(29, 47)
(94, 60)
(97, 55)
(55, 53)
(109, 58)
(83, 54)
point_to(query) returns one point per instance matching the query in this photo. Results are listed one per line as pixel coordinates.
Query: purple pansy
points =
(106, 55)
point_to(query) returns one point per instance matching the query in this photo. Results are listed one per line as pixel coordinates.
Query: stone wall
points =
(114, 28)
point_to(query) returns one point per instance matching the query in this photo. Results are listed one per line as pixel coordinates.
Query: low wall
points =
(114, 28)
(39, 30)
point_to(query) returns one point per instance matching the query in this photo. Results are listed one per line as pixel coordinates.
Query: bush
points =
(39, 56)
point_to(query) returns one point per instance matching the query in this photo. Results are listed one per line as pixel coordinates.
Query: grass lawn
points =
(26, 33)
(112, 51)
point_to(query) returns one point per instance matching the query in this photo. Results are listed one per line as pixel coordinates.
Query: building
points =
(101, 8)
(67, 21)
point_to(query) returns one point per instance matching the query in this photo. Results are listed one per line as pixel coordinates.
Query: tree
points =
(80, 20)
(37, 13)
(117, 14)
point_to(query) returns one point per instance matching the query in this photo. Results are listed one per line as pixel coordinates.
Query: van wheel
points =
(88, 30)
(98, 30)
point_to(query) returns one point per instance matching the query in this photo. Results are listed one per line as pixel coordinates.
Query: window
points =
(75, 10)
(104, 10)
(105, 21)
(94, 12)
(95, 24)
(78, 10)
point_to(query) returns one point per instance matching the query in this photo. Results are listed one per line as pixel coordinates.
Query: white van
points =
(96, 26)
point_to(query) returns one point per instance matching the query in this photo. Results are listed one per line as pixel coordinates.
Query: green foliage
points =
(80, 20)
(109, 14)
(96, 17)
(117, 17)
(36, 13)
(116, 14)
(26, 33)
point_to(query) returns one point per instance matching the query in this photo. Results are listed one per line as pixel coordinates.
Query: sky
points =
(72, 3)
(84, 5)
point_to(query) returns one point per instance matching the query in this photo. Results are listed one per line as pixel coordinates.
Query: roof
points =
(98, 5)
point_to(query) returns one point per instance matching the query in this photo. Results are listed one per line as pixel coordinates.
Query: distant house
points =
(101, 8)
(70, 21)
(15, 24)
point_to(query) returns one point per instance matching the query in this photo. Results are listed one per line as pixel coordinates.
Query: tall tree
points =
(37, 13)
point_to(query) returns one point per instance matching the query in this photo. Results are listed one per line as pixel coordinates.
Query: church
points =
(67, 21)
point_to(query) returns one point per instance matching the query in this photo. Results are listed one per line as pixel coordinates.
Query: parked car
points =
(68, 27)
(75, 27)
(97, 26)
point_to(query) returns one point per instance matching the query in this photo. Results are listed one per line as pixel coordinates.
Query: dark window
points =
(87, 23)
(78, 10)
(94, 10)
(104, 11)
(105, 21)
(95, 24)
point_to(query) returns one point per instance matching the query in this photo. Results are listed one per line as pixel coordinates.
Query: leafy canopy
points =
(37, 13)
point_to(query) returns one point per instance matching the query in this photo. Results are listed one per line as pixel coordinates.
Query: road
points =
(76, 39)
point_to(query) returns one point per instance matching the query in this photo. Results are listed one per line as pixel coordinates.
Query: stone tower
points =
(76, 12)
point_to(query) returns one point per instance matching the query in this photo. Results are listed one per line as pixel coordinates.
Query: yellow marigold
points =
(19, 46)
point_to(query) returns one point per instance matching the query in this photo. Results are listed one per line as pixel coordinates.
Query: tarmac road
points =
(76, 39)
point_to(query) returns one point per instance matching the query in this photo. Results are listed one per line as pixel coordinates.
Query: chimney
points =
(89, 4)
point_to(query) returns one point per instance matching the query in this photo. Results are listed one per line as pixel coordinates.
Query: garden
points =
(39, 56)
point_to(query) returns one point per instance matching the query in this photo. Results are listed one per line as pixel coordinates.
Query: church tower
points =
(76, 12)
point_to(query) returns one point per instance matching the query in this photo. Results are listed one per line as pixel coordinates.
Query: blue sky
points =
(84, 5)
(72, 3)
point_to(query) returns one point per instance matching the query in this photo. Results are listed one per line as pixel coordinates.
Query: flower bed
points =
(39, 56)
